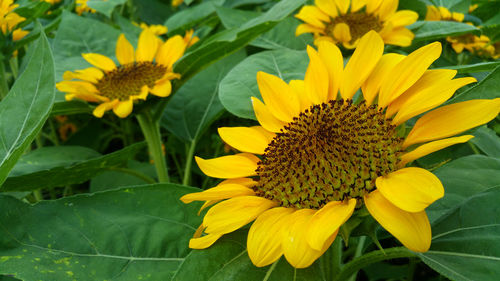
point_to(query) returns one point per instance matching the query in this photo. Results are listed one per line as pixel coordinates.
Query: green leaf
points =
(241, 83)
(432, 30)
(486, 89)
(105, 7)
(415, 5)
(462, 179)
(151, 11)
(70, 108)
(24, 110)
(228, 260)
(138, 233)
(196, 103)
(227, 42)
(472, 68)
(466, 241)
(189, 17)
(120, 178)
(50, 171)
(487, 141)
(77, 35)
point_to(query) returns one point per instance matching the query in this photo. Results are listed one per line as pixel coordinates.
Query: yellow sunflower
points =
(82, 7)
(315, 158)
(147, 70)
(9, 20)
(345, 22)
(479, 45)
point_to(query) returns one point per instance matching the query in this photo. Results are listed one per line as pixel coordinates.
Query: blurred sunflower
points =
(82, 7)
(52, 2)
(176, 3)
(9, 20)
(479, 45)
(345, 22)
(322, 157)
(147, 70)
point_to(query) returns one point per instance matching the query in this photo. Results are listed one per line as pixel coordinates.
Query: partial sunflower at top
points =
(147, 70)
(345, 22)
(9, 20)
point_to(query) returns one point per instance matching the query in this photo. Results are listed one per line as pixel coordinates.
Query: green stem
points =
(133, 173)
(14, 66)
(412, 267)
(331, 260)
(38, 195)
(151, 131)
(4, 86)
(474, 148)
(373, 257)
(189, 161)
(358, 253)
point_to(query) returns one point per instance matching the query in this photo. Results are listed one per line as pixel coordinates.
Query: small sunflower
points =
(345, 22)
(479, 45)
(157, 29)
(176, 3)
(315, 157)
(147, 70)
(9, 20)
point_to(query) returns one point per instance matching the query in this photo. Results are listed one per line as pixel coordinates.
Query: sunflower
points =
(147, 70)
(346, 22)
(315, 157)
(9, 20)
(82, 7)
(479, 45)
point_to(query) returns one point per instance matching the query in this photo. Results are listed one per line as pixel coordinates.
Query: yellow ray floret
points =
(318, 156)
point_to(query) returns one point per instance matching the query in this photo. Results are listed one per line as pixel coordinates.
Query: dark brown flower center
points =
(127, 80)
(359, 24)
(331, 152)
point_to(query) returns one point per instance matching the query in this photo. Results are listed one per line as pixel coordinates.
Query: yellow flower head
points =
(9, 20)
(157, 29)
(316, 156)
(81, 7)
(345, 22)
(147, 70)
(441, 13)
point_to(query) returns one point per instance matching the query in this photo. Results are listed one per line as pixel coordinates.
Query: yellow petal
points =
(432, 13)
(343, 6)
(307, 28)
(247, 139)
(248, 182)
(265, 117)
(332, 58)
(316, 78)
(229, 215)
(361, 63)
(327, 221)
(124, 50)
(452, 119)
(295, 247)
(356, 5)
(90, 74)
(162, 88)
(76, 87)
(400, 36)
(204, 241)
(103, 107)
(413, 230)
(383, 68)
(170, 51)
(429, 98)
(147, 46)
(123, 108)
(387, 9)
(280, 99)
(372, 5)
(457, 16)
(313, 16)
(428, 148)
(328, 7)
(299, 87)
(403, 18)
(230, 166)
(407, 72)
(445, 13)
(219, 192)
(341, 32)
(100, 61)
(410, 189)
(265, 235)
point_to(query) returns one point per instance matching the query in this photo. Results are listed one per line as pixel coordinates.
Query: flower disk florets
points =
(331, 152)
(127, 80)
(359, 24)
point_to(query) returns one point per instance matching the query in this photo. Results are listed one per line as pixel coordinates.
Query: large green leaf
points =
(241, 83)
(227, 260)
(77, 35)
(462, 179)
(487, 141)
(138, 233)
(477, 67)
(486, 89)
(466, 241)
(432, 30)
(196, 103)
(187, 18)
(229, 41)
(25, 109)
(64, 167)
(105, 7)
(70, 108)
